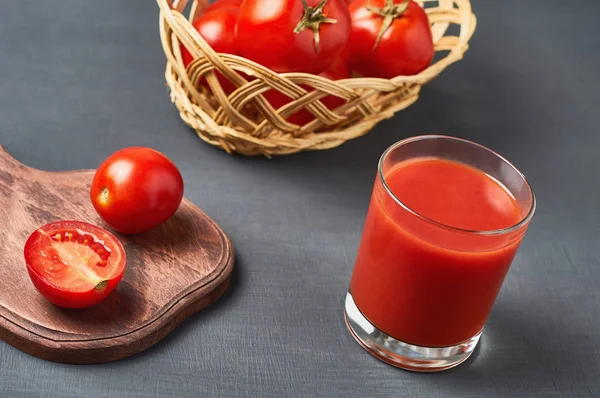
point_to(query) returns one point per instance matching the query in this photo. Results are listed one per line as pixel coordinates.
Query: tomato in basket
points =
(389, 38)
(337, 71)
(217, 27)
(293, 35)
(74, 264)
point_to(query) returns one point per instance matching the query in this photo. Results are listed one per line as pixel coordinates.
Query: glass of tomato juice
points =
(445, 220)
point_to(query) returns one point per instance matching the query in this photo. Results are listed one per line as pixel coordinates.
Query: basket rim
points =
(466, 34)
(219, 119)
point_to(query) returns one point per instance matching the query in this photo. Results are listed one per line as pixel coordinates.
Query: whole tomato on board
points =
(217, 26)
(389, 38)
(338, 71)
(293, 35)
(136, 189)
(74, 264)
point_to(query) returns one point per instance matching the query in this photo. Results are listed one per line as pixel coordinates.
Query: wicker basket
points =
(244, 122)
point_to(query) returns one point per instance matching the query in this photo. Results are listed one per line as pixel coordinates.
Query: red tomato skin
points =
(76, 300)
(217, 27)
(64, 298)
(405, 49)
(144, 190)
(338, 71)
(265, 34)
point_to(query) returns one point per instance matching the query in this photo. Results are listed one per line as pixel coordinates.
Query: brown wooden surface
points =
(172, 272)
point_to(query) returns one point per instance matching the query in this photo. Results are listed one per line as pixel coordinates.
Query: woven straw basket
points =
(244, 122)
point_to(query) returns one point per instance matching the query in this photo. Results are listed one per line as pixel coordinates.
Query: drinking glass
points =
(421, 291)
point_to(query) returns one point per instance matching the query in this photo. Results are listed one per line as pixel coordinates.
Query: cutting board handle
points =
(7, 161)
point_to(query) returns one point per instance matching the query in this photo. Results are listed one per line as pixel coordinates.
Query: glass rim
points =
(524, 221)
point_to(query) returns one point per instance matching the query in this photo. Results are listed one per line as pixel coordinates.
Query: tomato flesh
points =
(74, 264)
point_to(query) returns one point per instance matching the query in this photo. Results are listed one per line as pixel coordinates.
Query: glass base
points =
(400, 354)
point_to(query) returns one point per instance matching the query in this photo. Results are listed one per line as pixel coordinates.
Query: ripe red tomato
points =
(337, 71)
(389, 38)
(136, 189)
(74, 264)
(293, 35)
(217, 27)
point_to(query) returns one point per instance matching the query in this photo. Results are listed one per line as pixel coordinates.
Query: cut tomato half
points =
(74, 264)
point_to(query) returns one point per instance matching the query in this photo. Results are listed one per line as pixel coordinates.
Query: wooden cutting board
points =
(172, 272)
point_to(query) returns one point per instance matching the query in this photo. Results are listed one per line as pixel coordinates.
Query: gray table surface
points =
(81, 79)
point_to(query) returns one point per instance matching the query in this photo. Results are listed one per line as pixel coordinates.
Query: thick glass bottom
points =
(400, 354)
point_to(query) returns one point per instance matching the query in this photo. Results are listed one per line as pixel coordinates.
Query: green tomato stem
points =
(389, 13)
(312, 19)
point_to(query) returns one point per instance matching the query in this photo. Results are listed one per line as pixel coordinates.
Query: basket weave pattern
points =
(244, 122)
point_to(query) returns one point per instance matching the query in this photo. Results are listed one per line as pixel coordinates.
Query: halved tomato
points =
(74, 264)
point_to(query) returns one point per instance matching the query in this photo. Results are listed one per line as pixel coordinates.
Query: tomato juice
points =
(438, 240)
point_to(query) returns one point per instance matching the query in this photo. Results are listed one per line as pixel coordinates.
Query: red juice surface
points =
(421, 282)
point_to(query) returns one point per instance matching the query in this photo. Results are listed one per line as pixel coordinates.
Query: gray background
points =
(81, 79)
